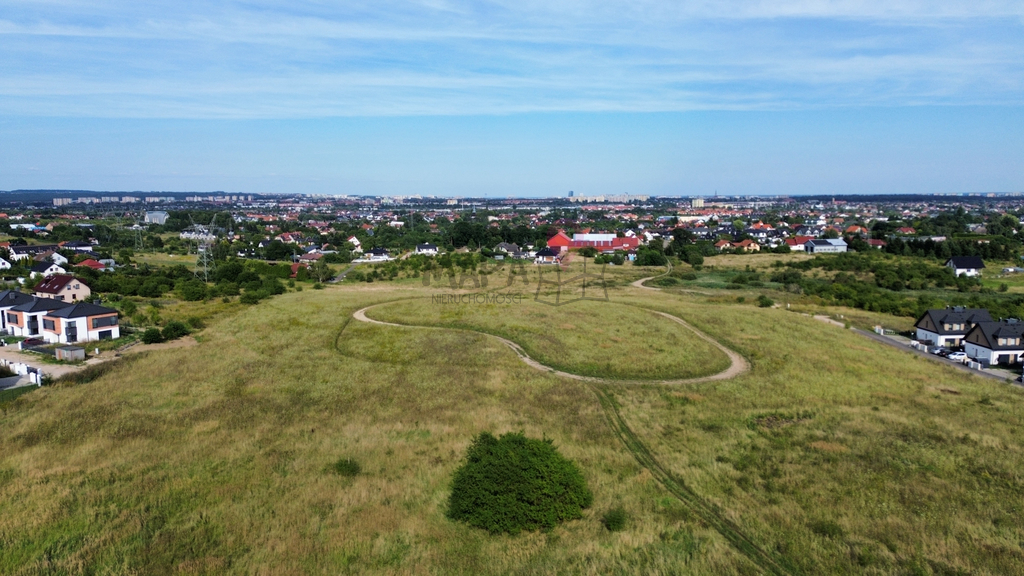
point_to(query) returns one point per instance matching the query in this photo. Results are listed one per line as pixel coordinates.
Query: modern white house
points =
(947, 327)
(82, 322)
(9, 299)
(19, 253)
(378, 255)
(966, 265)
(428, 249)
(996, 342)
(825, 246)
(47, 269)
(26, 319)
(4, 264)
(546, 256)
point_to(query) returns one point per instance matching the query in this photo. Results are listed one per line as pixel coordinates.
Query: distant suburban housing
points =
(825, 246)
(76, 245)
(94, 264)
(996, 342)
(546, 256)
(948, 326)
(429, 249)
(63, 287)
(603, 242)
(378, 254)
(965, 265)
(27, 252)
(507, 248)
(798, 243)
(46, 269)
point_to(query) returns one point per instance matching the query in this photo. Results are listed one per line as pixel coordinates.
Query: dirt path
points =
(640, 283)
(711, 514)
(737, 364)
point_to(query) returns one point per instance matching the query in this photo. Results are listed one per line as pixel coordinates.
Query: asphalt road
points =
(932, 357)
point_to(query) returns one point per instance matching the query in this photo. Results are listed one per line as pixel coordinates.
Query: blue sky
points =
(513, 98)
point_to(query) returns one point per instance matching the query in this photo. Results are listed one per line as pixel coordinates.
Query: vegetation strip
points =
(737, 364)
(709, 513)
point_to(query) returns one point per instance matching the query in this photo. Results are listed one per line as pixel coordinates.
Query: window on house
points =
(48, 324)
(1002, 341)
(12, 317)
(104, 321)
(947, 327)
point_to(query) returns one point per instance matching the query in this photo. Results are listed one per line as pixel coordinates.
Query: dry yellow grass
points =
(212, 459)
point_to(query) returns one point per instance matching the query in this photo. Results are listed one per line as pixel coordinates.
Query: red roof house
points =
(90, 263)
(559, 241)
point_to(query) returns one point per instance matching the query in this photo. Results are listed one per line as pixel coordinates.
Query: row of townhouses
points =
(56, 321)
(986, 340)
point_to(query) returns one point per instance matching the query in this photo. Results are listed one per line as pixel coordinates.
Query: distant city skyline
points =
(451, 98)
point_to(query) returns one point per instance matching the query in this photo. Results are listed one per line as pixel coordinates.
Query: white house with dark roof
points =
(29, 251)
(9, 299)
(81, 322)
(46, 269)
(428, 249)
(966, 265)
(26, 319)
(948, 326)
(996, 342)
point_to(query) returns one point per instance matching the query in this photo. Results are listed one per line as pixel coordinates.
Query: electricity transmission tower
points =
(204, 261)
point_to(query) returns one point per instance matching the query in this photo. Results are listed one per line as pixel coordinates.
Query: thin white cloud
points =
(300, 59)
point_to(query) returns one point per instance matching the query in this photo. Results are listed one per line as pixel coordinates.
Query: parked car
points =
(937, 350)
(957, 356)
(913, 343)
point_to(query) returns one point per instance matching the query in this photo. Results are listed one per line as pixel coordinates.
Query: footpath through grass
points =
(591, 338)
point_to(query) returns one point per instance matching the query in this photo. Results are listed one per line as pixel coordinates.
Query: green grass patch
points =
(591, 338)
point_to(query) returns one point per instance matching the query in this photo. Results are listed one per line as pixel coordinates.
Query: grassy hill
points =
(833, 454)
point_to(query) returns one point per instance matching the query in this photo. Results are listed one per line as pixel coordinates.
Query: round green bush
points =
(346, 467)
(249, 298)
(174, 330)
(615, 519)
(152, 336)
(764, 301)
(514, 483)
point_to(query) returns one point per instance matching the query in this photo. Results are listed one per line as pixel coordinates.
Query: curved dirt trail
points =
(737, 364)
(640, 283)
(710, 513)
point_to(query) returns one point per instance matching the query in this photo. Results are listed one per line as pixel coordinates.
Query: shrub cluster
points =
(346, 467)
(615, 519)
(514, 483)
